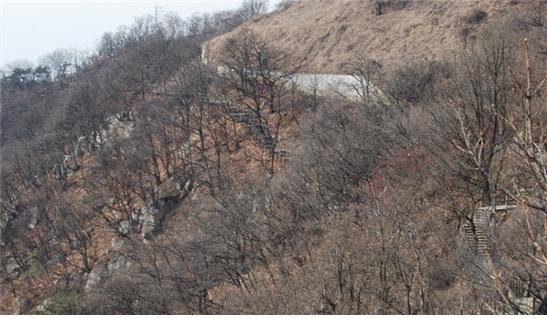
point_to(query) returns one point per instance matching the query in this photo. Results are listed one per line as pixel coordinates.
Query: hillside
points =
(150, 182)
(323, 34)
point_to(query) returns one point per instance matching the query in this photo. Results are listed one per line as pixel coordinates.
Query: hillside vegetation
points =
(323, 35)
(141, 180)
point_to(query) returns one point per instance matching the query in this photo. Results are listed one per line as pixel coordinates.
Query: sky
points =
(34, 28)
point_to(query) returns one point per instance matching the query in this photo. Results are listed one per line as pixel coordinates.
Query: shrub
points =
(477, 16)
(381, 5)
(441, 275)
(35, 265)
(415, 82)
(65, 303)
(284, 5)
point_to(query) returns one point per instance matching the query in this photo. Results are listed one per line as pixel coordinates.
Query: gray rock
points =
(43, 305)
(149, 219)
(135, 215)
(188, 185)
(152, 216)
(118, 127)
(104, 270)
(68, 282)
(124, 116)
(33, 218)
(5, 221)
(82, 146)
(69, 165)
(12, 266)
(116, 263)
(124, 227)
(65, 168)
(116, 244)
(95, 276)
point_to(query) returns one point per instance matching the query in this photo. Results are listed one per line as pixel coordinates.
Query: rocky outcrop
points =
(117, 244)
(150, 220)
(104, 270)
(6, 219)
(152, 216)
(118, 127)
(66, 167)
(12, 267)
(67, 282)
(33, 218)
(85, 145)
(124, 227)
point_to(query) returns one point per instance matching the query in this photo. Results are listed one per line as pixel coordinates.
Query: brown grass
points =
(322, 34)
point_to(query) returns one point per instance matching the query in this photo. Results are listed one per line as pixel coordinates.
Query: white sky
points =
(31, 29)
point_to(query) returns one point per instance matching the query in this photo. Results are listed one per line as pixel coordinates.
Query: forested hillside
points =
(152, 177)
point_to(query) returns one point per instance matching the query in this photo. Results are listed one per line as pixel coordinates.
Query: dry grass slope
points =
(322, 34)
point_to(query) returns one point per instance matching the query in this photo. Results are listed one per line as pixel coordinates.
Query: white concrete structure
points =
(324, 84)
(329, 84)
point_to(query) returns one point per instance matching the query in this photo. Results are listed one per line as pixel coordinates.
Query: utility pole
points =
(155, 12)
(157, 9)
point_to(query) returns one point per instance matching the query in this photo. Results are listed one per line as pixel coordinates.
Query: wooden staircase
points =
(481, 220)
(238, 115)
(477, 231)
(242, 117)
(469, 235)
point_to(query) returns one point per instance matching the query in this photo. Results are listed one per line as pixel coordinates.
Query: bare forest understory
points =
(141, 180)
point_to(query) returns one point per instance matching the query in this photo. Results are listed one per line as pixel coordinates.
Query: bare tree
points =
(255, 71)
(364, 70)
(60, 62)
(252, 8)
